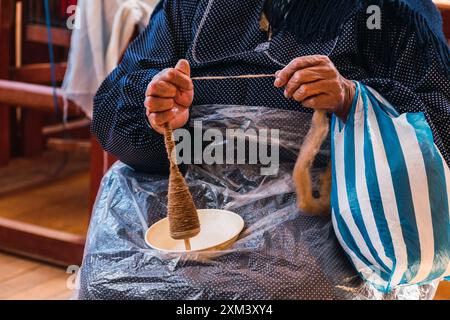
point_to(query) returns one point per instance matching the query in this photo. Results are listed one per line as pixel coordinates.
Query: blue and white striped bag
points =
(391, 194)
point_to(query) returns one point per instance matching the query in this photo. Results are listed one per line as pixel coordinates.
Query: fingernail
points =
(286, 94)
(277, 82)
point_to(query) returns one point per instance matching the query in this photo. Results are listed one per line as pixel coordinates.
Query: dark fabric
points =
(325, 18)
(310, 20)
(321, 20)
(281, 254)
(224, 37)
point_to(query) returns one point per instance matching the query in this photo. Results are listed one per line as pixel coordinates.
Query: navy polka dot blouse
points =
(225, 38)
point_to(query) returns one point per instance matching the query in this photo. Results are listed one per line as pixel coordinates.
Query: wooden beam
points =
(446, 21)
(96, 170)
(18, 38)
(5, 135)
(41, 243)
(39, 73)
(69, 126)
(38, 33)
(33, 142)
(6, 33)
(32, 96)
(69, 145)
(101, 161)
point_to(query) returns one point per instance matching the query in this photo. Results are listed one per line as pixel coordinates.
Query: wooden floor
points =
(22, 279)
(31, 192)
(444, 291)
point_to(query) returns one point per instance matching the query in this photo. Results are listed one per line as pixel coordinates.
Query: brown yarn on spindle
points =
(181, 210)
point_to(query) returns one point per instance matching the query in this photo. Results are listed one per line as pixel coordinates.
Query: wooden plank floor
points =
(61, 205)
(444, 291)
(25, 173)
(23, 279)
(59, 202)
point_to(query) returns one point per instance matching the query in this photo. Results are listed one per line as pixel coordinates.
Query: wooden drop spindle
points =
(181, 210)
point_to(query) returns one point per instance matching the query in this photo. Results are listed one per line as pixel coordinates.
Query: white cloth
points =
(105, 29)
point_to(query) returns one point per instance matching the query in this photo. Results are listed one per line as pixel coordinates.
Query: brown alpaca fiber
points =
(181, 210)
(306, 202)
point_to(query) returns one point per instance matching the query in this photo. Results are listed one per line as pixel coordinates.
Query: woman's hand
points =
(169, 96)
(315, 82)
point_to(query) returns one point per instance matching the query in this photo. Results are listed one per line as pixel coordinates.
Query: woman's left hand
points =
(315, 82)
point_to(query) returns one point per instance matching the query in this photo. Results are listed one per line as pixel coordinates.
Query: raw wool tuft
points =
(306, 202)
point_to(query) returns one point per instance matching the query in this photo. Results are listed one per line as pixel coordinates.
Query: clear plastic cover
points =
(281, 254)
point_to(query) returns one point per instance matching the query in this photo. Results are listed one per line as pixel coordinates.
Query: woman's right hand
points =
(169, 96)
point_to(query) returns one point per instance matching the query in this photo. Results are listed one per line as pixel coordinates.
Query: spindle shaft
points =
(245, 76)
(187, 244)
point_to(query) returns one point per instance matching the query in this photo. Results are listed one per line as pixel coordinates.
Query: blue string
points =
(52, 55)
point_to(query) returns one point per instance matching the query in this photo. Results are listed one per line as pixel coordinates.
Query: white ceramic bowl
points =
(219, 230)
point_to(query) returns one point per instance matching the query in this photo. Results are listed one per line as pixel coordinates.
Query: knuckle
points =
(167, 103)
(149, 103)
(157, 77)
(297, 96)
(331, 66)
(305, 88)
(333, 69)
(159, 119)
(170, 73)
(297, 61)
(154, 86)
(300, 94)
(282, 74)
(312, 103)
(297, 77)
(172, 91)
(303, 73)
(149, 87)
(323, 58)
(151, 118)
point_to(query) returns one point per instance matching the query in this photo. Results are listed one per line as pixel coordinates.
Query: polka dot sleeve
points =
(120, 122)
